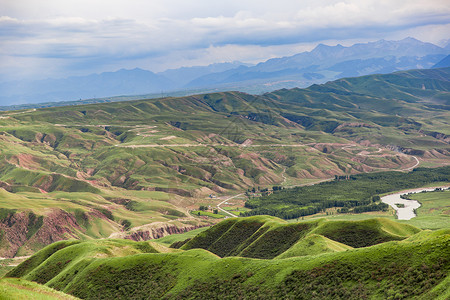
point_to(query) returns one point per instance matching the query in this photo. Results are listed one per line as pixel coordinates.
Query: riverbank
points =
(407, 211)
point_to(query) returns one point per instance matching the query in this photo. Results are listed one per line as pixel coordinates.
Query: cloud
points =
(98, 34)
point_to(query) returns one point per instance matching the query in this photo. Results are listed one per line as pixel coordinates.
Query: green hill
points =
(269, 237)
(313, 244)
(414, 267)
(19, 289)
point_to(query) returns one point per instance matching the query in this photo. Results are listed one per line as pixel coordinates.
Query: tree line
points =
(355, 193)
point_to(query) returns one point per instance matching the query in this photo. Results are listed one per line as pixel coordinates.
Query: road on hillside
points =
(5, 116)
(417, 163)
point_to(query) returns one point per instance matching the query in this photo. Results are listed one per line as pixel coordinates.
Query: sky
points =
(59, 38)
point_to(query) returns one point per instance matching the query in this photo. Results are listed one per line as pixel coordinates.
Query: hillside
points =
(20, 289)
(444, 63)
(265, 237)
(416, 266)
(136, 169)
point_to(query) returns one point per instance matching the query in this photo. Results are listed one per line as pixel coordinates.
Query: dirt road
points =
(224, 201)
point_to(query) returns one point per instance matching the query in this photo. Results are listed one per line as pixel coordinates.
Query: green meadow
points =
(393, 261)
(434, 212)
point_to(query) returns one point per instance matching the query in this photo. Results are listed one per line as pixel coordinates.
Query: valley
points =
(212, 194)
(136, 169)
(233, 150)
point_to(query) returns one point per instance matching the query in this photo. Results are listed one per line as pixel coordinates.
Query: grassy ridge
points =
(266, 237)
(51, 262)
(365, 233)
(414, 267)
(313, 243)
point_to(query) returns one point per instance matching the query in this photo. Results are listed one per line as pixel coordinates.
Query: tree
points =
(126, 224)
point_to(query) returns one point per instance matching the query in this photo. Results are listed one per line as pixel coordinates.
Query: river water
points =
(407, 212)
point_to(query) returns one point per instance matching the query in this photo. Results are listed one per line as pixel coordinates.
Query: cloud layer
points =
(60, 38)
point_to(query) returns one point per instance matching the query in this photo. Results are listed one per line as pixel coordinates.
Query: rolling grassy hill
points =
(109, 169)
(415, 266)
(269, 237)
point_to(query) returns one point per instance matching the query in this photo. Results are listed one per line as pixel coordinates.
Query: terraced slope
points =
(417, 266)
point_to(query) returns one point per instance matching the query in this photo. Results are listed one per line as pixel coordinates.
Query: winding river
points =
(407, 212)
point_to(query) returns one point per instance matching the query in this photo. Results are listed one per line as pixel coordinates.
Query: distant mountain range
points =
(323, 63)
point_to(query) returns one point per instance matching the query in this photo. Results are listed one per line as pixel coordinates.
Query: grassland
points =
(269, 237)
(19, 289)
(170, 239)
(434, 212)
(315, 267)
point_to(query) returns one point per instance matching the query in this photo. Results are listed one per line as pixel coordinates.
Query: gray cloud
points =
(116, 33)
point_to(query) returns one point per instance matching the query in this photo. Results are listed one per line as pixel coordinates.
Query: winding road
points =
(417, 163)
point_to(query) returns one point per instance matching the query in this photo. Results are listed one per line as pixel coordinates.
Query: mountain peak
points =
(123, 70)
(411, 39)
(325, 48)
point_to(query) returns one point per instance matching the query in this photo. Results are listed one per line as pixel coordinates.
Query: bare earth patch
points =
(170, 137)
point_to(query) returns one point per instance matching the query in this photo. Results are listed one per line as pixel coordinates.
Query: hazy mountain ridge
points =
(332, 62)
(324, 63)
(136, 81)
(184, 75)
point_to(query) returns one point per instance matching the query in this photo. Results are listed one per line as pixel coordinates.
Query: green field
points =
(434, 212)
(208, 214)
